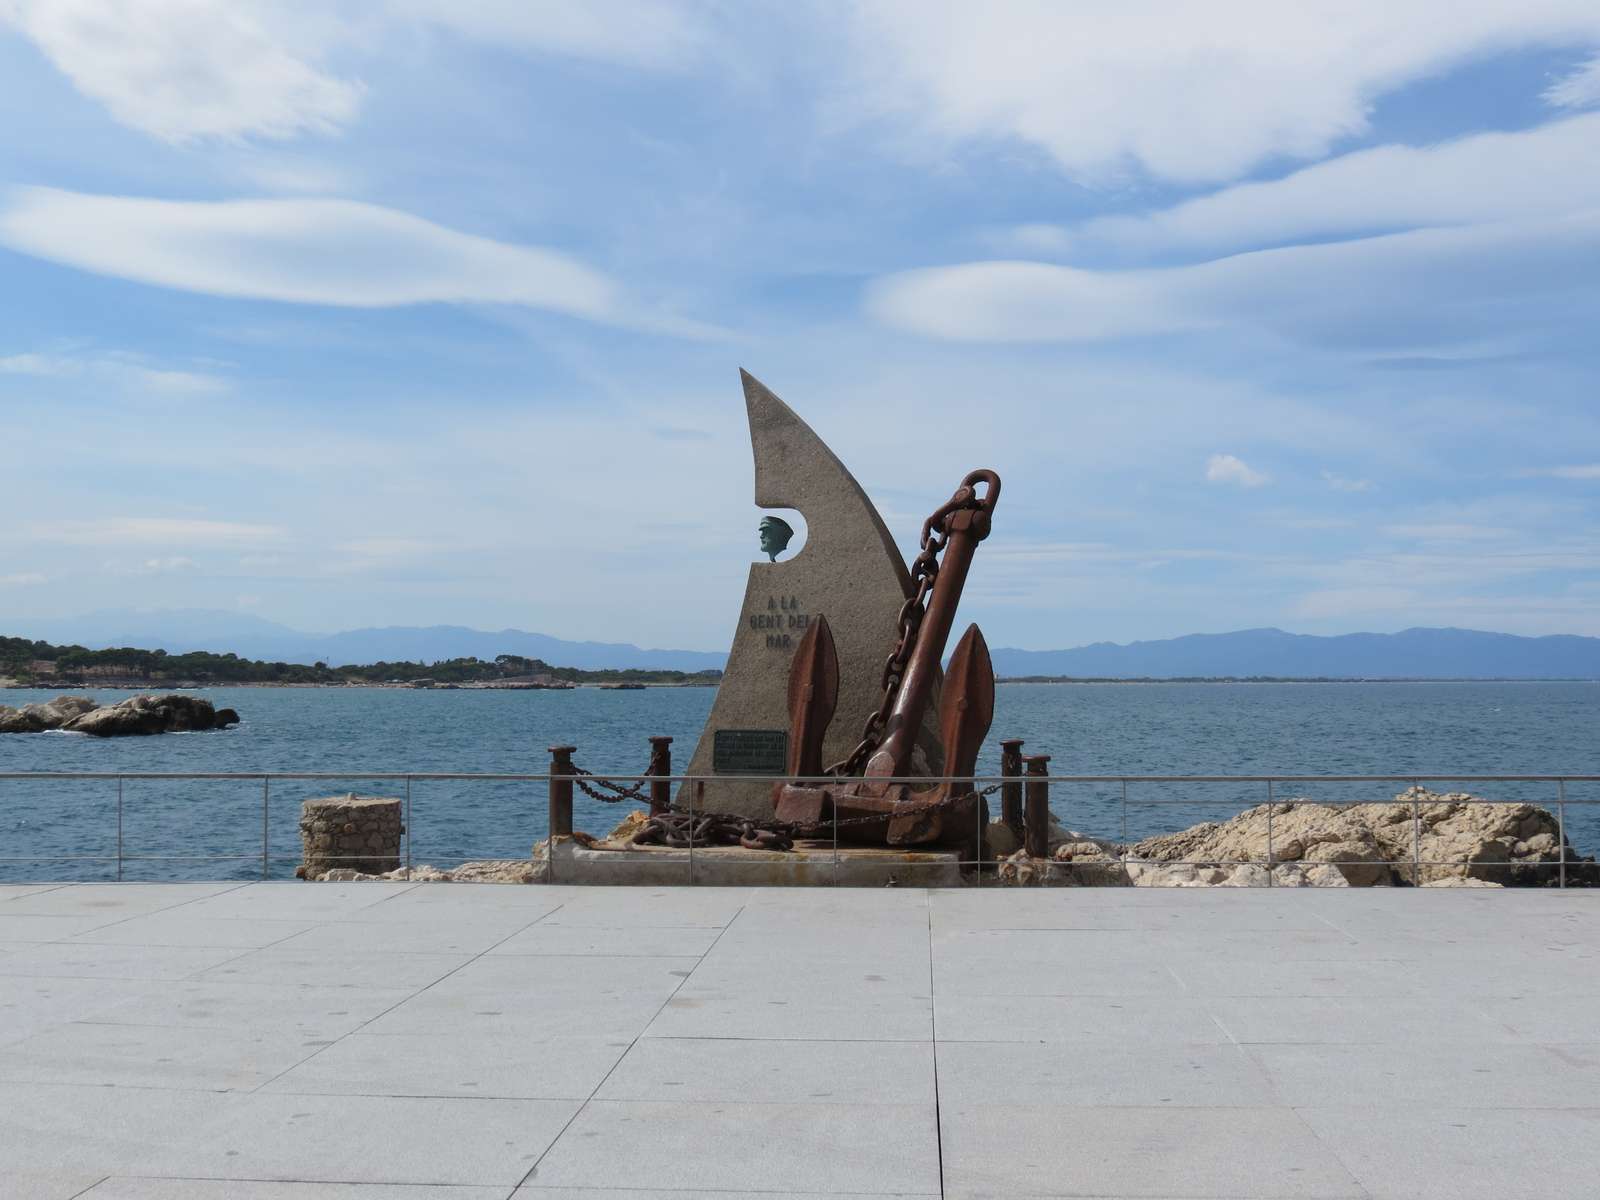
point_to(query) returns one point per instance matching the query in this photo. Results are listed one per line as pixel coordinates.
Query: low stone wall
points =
(350, 832)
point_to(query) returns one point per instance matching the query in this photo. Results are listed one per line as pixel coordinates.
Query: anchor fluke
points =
(813, 695)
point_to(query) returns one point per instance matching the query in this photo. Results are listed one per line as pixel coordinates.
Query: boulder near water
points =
(136, 715)
(36, 718)
(148, 714)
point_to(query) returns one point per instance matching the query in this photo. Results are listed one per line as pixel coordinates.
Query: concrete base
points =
(809, 864)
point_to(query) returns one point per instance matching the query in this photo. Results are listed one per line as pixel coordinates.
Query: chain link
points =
(637, 792)
(924, 574)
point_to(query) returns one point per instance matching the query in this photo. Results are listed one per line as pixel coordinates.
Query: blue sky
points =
(416, 312)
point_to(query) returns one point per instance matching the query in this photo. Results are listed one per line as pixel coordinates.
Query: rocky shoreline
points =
(137, 715)
(1419, 839)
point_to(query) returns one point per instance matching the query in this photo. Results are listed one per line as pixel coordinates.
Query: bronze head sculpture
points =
(775, 534)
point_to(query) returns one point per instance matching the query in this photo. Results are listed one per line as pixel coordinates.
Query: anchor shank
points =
(893, 756)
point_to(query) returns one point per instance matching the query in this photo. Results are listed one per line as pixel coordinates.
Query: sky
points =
(416, 312)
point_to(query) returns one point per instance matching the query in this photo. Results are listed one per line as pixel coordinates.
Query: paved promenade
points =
(290, 1041)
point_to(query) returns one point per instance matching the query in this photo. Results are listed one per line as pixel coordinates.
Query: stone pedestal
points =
(360, 833)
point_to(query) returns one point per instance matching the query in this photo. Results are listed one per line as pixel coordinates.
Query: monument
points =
(848, 570)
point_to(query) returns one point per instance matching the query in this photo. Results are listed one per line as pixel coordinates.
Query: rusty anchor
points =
(865, 805)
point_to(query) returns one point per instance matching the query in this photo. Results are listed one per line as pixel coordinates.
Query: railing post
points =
(266, 793)
(1036, 818)
(119, 828)
(1271, 867)
(660, 764)
(1011, 793)
(407, 830)
(561, 772)
(1561, 826)
(1416, 835)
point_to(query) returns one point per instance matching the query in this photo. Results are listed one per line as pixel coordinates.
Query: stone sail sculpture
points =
(849, 570)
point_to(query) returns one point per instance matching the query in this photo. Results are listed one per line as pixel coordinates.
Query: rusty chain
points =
(620, 793)
(924, 574)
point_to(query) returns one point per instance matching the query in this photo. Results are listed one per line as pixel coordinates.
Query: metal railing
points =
(1025, 809)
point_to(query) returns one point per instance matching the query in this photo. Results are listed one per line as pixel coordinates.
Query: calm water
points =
(1089, 729)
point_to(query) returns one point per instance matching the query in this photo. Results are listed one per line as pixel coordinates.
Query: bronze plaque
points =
(750, 752)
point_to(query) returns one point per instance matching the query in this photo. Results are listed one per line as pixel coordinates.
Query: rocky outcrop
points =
(1420, 838)
(136, 715)
(36, 718)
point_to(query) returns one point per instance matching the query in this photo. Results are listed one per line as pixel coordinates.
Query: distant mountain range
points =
(1412, 653)
(181, 630)
(1409, 654)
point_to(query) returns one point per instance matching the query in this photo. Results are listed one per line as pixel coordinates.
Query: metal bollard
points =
(561, 772)
(1011, 793)
(660, 764)
(1036, 818)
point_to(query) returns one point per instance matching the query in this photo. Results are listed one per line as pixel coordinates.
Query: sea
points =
(215, 829)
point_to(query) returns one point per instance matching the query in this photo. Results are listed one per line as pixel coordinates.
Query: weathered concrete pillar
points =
(361, 833)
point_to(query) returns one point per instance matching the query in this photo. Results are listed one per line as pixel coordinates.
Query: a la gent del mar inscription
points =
(782, 621)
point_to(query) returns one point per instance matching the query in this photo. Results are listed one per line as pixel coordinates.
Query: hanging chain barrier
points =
(683, 825)
(618, 793)
(924, 574)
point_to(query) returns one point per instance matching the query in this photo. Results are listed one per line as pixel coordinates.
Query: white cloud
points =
(1447, 531)
(1227, 468)
(116, 369)
(298, 250)
(23, 579)
(1193, 92)
(118, 531)
(1549, 170)
(1424, 287)
(1579, 89)
(647, 33)
(1577, 471)
(185, 69)
(182, 70)
(1341, 483)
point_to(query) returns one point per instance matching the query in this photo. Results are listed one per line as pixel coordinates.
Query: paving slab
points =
(1344, 1019)
(627, 941)
(1432, 1075)
(1109, 1020)
(364, 1139)
(1136, 1074)
(126, 1188)
(818, 1148)
(69, 960)
(115, 901)
(149, 1056)
(45, 1185)
(698, 1071)
(296, 1041)
(994, 1150)
(293, 901)
(1399, 1152)
(84, 1130)
(428, 934)
(29, 1004)
(504, 1065)
(179, 929)
(345, 968)
(320, 1010)
(797, 1010)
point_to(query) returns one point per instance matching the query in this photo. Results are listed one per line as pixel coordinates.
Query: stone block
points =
(350, 833)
